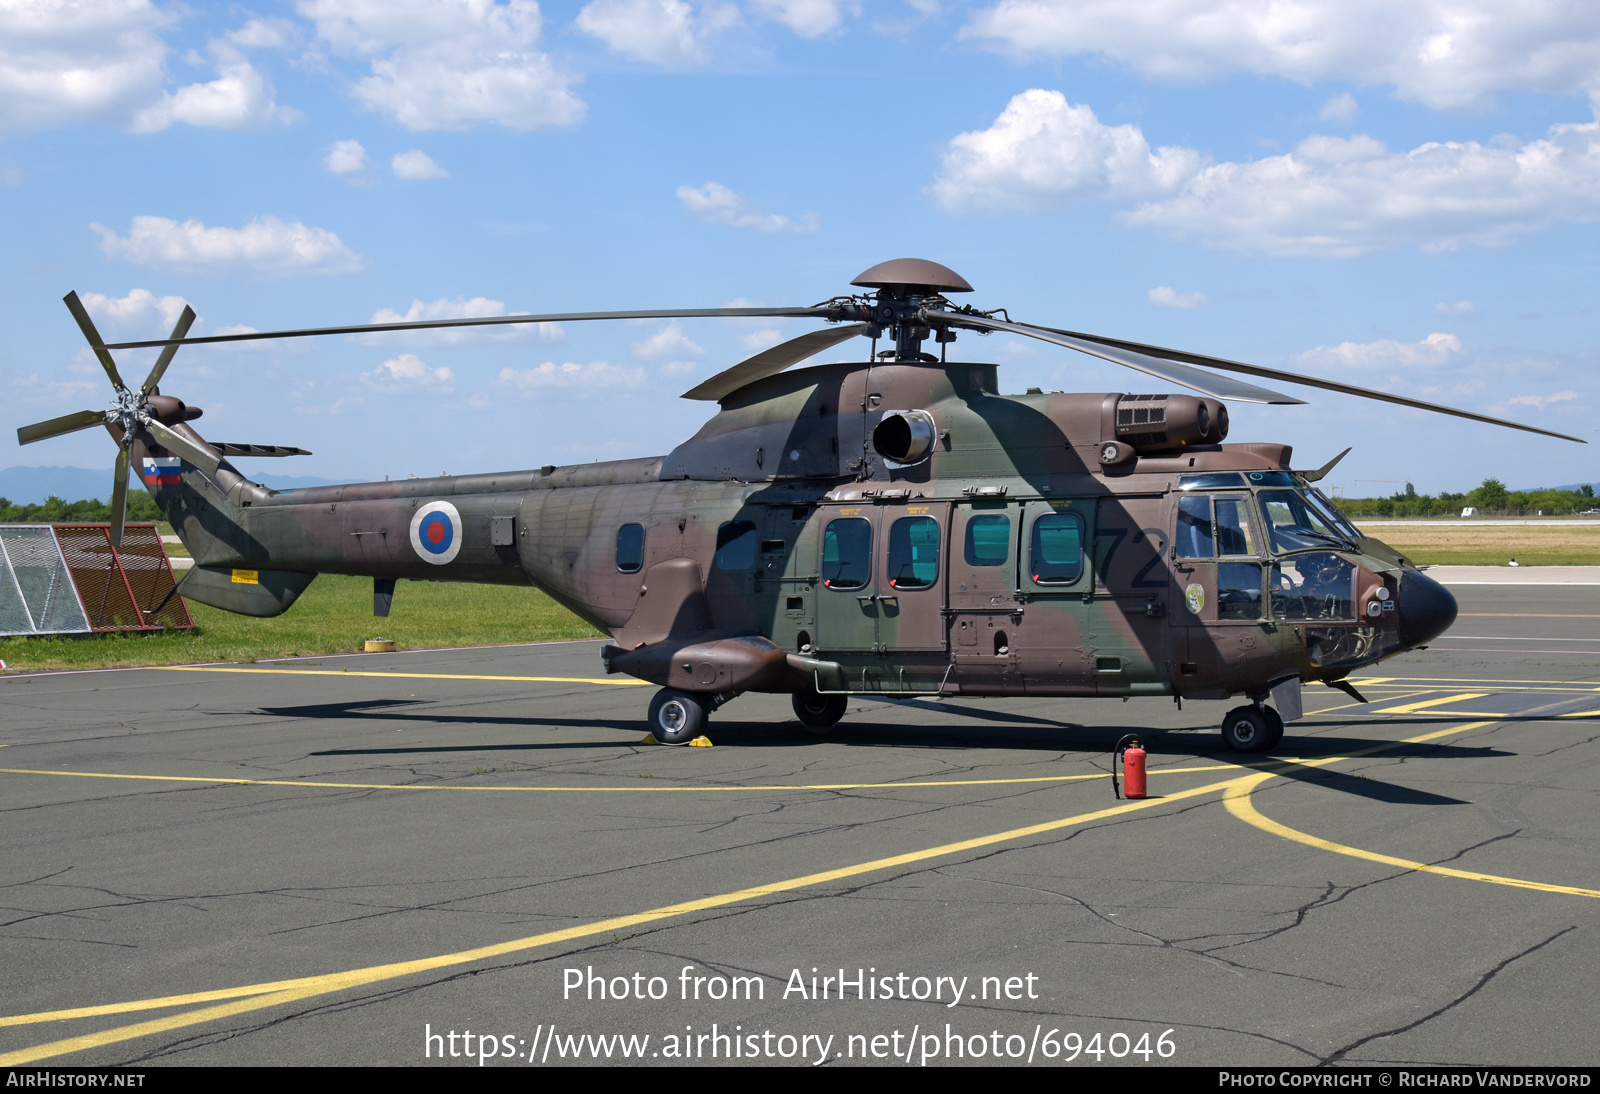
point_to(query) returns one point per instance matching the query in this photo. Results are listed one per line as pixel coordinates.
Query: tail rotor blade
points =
(55, 427)
(85, 324)
(180, 330)
(119, 495)
(182, 446)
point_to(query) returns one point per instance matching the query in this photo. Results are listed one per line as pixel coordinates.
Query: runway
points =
(358, 860)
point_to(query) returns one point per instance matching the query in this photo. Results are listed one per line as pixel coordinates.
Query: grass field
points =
(334, 615)
(1467, 544)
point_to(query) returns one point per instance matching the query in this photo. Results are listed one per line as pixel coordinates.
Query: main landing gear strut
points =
(1255, 728)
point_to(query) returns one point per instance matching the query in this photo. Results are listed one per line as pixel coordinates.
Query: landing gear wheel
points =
(677, 717)
(1250, 729)
(1275, 727)
(820, 713)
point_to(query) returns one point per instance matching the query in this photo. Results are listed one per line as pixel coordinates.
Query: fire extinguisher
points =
(1131, 752)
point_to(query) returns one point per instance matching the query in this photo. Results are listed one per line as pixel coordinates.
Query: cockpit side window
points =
(1233, 528)
(1194, 527)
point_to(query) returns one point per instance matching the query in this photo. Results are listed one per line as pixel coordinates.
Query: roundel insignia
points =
(436, 532)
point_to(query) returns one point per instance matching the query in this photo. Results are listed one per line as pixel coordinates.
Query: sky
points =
(1402, 196)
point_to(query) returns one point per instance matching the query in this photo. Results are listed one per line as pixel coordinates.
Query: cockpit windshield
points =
(1322, 505)
(1294, 524)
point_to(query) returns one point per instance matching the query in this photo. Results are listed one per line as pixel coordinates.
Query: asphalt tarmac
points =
(358, 860)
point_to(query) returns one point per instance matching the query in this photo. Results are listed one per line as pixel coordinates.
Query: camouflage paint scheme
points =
(794, 451)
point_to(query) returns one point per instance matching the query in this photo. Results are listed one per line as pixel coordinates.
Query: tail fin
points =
(210, 514)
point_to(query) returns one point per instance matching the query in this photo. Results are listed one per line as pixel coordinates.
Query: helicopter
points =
(890, 526)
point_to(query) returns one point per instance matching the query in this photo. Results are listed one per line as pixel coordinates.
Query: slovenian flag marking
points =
(162, 471)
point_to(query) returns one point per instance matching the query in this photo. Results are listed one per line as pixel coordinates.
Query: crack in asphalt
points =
(1481, 983)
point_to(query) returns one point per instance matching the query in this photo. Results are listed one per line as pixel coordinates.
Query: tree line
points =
(1491, 496)
(53, 510)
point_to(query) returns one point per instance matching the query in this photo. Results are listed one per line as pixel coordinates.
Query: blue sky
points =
(1402, 196)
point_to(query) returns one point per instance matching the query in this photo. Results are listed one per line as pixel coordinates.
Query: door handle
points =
(867, 599)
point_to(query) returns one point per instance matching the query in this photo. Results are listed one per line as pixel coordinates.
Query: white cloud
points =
(1435, 350)
(239, 98)
(679, 368)
(449, 64)
(416, 165)
(409, 372)
(1335, 197)
(807, 18)
(659, 32)
(1342, 108)
(346, 158)
(138, 307)
(1460, 309)
(1445, 53)
(1542, 401)
(717, 204)
(758, 340)
(65, 62)
(271, 33)
(594, 375)
(1164, 296)
(266, 246)
(1043, 151)
(479, 307)
(667, 342)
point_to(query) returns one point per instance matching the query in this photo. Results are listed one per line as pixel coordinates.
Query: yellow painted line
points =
(1487, 682)
(261, 996)
(1237, 800)
(1412, 708)
(315, 785)
(624, 682)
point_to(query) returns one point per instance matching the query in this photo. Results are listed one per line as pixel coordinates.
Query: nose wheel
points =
(819, 713)
(1252, 729)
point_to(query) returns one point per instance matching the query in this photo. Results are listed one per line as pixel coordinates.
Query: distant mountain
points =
(32, 485)
(1595, 486)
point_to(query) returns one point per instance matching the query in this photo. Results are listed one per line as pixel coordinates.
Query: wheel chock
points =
(649, 739)
(701, 741)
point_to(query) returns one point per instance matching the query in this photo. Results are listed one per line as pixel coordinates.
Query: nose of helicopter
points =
(1426, 608)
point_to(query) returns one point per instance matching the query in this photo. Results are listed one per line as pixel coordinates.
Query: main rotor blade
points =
(119, 494)
(1207, 383)
(490, 321)
(55, 427)
(181, 328)
(85, 324)
(181, 445)
(770, 362)
(1310, 381)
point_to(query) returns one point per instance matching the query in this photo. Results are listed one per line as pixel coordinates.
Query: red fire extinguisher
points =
(1131, 751)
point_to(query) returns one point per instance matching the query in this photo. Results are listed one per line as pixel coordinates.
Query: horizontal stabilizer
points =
(227, 448)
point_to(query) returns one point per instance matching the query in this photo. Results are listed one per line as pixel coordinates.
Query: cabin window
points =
(736, 545)
(1057, 555)
(630, 548)
(1194, 527)
(988, 540)
(847, 553)
(913, 553)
